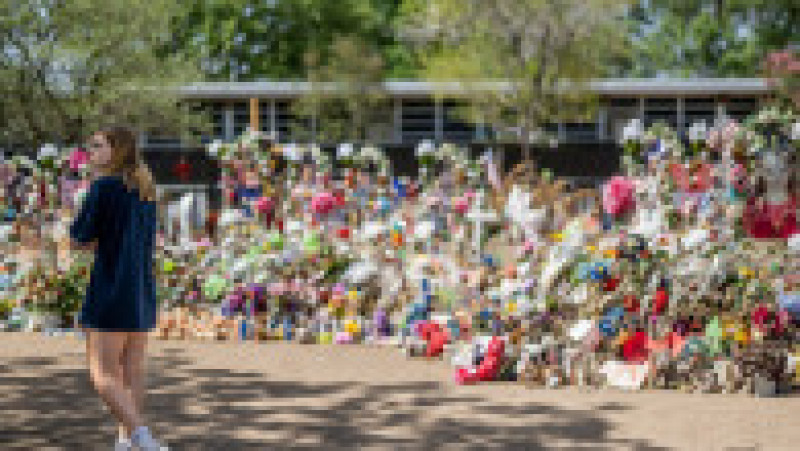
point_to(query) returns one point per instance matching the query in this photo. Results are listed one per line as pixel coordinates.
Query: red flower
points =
(660, 301)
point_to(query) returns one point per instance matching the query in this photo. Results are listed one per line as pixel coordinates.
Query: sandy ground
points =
(221, 396)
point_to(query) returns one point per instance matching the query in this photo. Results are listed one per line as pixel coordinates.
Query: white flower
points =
(371, 154)
(47, 150)
(633, 131)
(292, 152)
(698, 131)
(425, 148)
(796, 131)
(215, 147)
(345, 150)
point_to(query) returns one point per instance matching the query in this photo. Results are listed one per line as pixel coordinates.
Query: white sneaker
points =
(144, 441)
(123, 445)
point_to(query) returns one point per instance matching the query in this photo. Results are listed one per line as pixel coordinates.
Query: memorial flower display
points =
(665, 276)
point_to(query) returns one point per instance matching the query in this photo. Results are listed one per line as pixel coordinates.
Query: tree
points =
(70, 67)
(718, 38)
(347, 96)
(783, 70)
(248, 40)
(524, 63)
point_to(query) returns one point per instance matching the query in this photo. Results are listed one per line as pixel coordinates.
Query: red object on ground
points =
(488, 369)
(343, 233)
(634, 349)
(435, 337)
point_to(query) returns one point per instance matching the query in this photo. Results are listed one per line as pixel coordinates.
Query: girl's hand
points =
(74, 245)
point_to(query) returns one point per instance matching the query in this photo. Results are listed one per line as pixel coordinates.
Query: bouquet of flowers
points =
(426, 153)
(632, 139)
(346, 154)
(698, 134)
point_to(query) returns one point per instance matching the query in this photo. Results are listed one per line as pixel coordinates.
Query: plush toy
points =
(489, 367)
(434, 336)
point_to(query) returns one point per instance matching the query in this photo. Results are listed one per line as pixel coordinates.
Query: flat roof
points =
(412, 88)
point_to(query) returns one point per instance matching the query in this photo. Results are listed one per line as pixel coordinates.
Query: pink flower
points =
(77, 159)
(264, 204)
(322, 203)
(618, 195)
(461, 205)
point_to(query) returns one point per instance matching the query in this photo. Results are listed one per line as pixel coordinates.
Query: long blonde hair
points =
(126, 160)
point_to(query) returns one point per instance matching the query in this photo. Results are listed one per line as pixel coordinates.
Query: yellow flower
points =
(591, 248)
(745, 272)
(557, 236)
(352, 327)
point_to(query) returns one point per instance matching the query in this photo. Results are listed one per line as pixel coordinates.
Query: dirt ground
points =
(215, 396)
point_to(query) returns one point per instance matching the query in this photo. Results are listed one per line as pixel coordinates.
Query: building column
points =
(228, 117)
(480, 130)
(642, 110)
(720, 114)
(398, 120)
(273, 121)
(438, 119)
(602, 120)
(254, 114)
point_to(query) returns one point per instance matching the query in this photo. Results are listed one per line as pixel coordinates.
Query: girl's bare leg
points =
(106, 372)
(133, 371)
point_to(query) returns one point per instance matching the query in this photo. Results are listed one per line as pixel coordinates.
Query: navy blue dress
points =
(121, 295)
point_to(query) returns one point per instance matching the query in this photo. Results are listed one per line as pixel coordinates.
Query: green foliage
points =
(532, 46)
(347, 95)
(709, 37)
(69, 67)
(246, 40)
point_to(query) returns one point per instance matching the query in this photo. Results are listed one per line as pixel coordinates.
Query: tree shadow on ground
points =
(44, 406)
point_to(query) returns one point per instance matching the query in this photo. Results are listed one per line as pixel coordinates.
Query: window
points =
(661, 110)
(740, 108)
(580, 131)
(289, 126)
(265, 116)
(419, 120)
(698, 109)
(216, 114)
(241, 118)
(454, 128)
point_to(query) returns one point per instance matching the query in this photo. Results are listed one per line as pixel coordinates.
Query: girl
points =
(118, 221)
